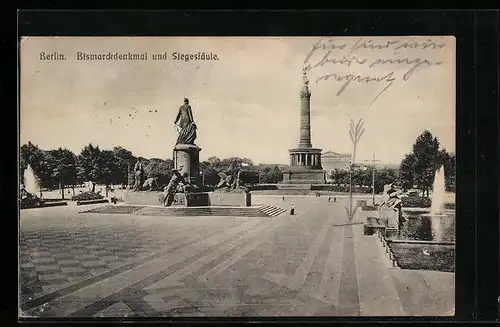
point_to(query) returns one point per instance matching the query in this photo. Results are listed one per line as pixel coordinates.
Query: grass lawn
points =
(411, 256)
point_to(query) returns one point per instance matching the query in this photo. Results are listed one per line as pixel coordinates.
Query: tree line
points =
(61, 167)
(416, 171)
(363, 176)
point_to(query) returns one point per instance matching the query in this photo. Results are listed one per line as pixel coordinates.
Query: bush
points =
(416, 202)
(263, 187)
(89, 195)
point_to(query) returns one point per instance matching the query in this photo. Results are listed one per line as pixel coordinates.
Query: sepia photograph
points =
(237, 176)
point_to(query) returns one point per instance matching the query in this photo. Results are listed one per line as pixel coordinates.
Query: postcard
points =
(237, 176)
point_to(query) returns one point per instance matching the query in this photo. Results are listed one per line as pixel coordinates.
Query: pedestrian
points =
(329, 199)
(283, 198)
(292, 210)
(335, 199)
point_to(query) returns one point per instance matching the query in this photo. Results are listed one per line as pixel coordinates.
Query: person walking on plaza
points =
(292, 209)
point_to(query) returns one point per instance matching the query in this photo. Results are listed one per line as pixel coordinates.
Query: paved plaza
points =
(313, 263)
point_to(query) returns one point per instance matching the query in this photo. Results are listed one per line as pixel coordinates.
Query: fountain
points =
(426, 238)
(28, 197)
(437, 205)
(438, 189)
(30, 181)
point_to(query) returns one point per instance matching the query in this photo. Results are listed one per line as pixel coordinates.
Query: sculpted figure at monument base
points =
(138, 175)
(391, 200)
(151, 184)
(172, 188)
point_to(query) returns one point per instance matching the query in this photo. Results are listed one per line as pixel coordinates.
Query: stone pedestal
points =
(200, 199)
(303, 175)
(390, 216)
(305, 167)
(187, 159)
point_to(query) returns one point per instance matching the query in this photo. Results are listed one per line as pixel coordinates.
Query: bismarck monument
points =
(186, 154)
(186, 157)
(305, 160)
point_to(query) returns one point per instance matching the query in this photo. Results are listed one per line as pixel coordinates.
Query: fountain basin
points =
(425, 241)
(427, 227)
(426, 236)
(434, 215)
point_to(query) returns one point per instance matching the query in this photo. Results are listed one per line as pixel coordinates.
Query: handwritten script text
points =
(371, 61)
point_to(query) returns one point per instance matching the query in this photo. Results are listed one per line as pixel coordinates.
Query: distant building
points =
(333, 160)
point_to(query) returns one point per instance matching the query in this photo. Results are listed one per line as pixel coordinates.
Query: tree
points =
(124, 160)
(29, 154)
(248, 164)
(211, 168)
(159, 168)
(426, 160)
(362, 176)
(107, 168)
(449, 163)
(209, 173)
(270, 175)
(214, 162)
(63, 167)
(383, 177)
(232, 164)
(406, 175)
(419, 167)
(340, 176)
(88, 165)
(40, 161)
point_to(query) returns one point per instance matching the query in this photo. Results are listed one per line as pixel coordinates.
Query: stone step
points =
(206, 213)
(256, 211)
(284, 186)
(272, 211)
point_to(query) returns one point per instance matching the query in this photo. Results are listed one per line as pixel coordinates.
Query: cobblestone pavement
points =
(97, 265)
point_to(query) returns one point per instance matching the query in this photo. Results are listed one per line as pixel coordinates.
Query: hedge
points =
(85, 196)
(416, 202)
(341, 188)
(263, 187)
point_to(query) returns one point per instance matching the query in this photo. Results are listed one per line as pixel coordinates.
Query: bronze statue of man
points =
(185, 121)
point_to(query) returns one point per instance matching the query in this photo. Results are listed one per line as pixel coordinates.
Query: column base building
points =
(305, 167)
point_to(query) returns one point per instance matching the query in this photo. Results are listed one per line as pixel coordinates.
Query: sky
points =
(245, 104)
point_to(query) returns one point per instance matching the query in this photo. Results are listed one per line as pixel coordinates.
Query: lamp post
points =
(373, 163)
(355, 133)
